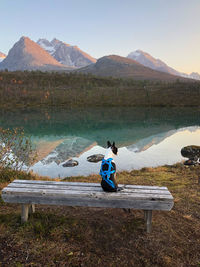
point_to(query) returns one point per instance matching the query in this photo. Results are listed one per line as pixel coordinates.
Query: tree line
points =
(36, 88)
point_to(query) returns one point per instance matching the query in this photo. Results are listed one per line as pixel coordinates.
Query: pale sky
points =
(166, 29)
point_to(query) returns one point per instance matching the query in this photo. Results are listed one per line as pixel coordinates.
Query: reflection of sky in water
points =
(154, 151)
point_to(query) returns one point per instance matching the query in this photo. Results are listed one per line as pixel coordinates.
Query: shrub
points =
(15, 149)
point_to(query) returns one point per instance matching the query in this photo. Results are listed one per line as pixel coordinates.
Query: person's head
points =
(112, 147)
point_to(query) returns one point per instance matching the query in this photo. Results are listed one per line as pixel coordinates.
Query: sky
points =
(166, 29)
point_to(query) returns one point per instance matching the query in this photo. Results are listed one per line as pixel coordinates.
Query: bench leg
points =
(24, 214)
(149, 220)
(145, 215)
(32, 208)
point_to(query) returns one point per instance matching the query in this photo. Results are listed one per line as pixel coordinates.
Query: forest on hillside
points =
(36, 89)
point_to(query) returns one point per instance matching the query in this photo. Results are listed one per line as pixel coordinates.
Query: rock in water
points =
(70, 163)
(95, 158)
(191, 152)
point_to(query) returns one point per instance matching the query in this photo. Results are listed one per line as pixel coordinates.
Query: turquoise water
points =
(140, 134)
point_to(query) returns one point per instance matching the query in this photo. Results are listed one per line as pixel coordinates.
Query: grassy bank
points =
(33, 89)
(72, 236)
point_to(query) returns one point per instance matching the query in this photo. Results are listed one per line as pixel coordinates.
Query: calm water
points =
(145, 137)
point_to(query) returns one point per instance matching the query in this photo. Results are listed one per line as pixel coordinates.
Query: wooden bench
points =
(28, 193)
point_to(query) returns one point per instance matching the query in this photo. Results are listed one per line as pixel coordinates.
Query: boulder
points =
(190, 162)
(70, 163)
(95, 158)
(191, 152)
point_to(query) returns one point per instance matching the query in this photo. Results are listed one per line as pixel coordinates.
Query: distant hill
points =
(117, 66)
(2, 56)
(27, 55)
(156, 64)
(66, 54)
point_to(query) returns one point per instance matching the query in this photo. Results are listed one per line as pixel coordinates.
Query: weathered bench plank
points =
(48, 193)
(84, 189)
(28, 193)
(79, 184)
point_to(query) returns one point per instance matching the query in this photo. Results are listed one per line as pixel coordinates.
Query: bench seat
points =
(31, 192)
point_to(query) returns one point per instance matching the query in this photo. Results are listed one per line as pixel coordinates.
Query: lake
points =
(145, 136)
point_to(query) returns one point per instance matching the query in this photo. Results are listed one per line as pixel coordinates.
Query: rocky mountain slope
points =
(156, 64)
(27, 55)
(194, 75)
(151, 62)
(66, 54)
(117, 66)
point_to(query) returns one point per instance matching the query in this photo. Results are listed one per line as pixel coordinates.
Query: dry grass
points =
(72, 236)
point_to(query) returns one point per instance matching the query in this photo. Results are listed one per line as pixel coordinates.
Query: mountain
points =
(156, 64)
(195, 75)
(27, 55)
(148, 61)
(2, 56)
(66, 54)
(117, 66)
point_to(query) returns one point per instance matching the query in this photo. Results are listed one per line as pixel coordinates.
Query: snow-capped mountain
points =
(46, 45)
(195, 75)
(66, 54)
(156, 64)
(148, 61)
(27, 55)
(2, 56)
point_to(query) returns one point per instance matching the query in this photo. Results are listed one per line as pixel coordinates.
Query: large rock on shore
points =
(191, 152)
(95, 158)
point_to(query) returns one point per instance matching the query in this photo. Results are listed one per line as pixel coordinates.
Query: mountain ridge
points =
(58, 55)
(27, 55)
(66, 54)
(147, 60)
(117, 66)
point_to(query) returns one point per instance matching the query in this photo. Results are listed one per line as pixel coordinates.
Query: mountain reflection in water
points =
(145, 137)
